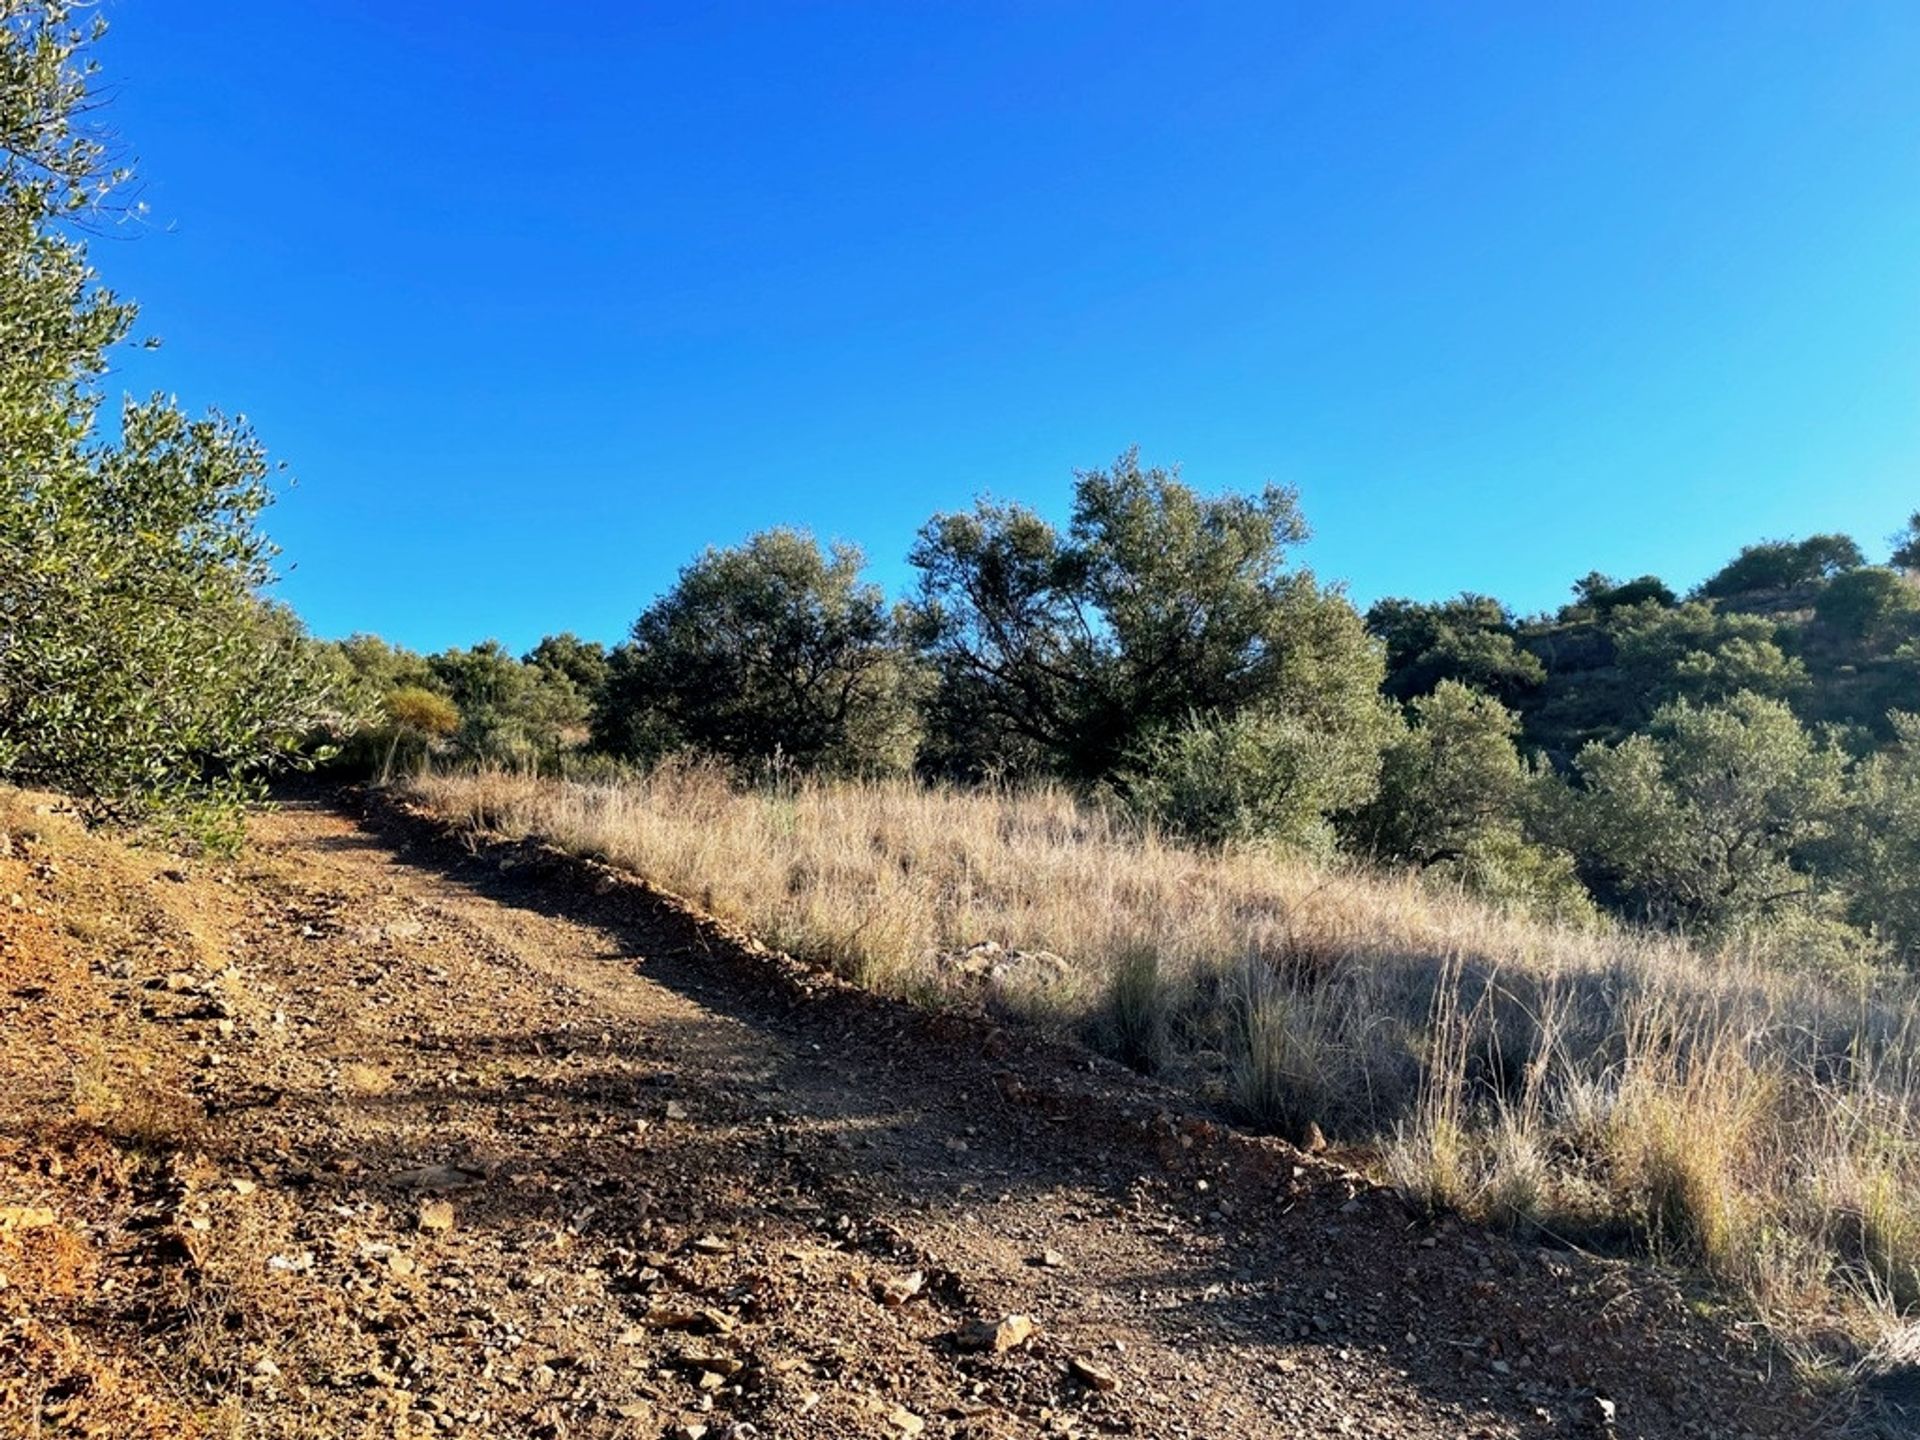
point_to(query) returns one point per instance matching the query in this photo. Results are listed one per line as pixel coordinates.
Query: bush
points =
(1699, 654)
(1503, 867)
(1469, 639)
(1708, 819)
(1455, 799)
(1598, 594)
(511, 712)
(1258, 776)
(415, 717)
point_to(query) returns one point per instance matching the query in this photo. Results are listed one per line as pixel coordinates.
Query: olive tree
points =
(140, 668)
(1161, 627)
(775, 649)
(1877, 841)
(1707, 819)
(1469, 639)
(1906, 545)
(1784, 564)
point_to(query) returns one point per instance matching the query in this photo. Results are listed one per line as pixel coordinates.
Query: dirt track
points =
(503, 1145)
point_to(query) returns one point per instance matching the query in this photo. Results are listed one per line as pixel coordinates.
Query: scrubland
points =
(1598, 1086)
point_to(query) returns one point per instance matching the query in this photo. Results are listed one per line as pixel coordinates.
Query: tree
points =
(140, 668)
(1698, 653)
(1877, 845)
(1906, 545)
(1706, 819)
(510, 713)
(774, 649)
(1469, 639)
(582, 662)
(1869, 604)
(1080, 653)
(1596, 594)
(1784, 564)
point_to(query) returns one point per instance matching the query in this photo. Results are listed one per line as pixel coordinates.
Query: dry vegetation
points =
(1606, 1087)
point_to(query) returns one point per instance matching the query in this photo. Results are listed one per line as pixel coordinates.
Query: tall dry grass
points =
(1602, 1086)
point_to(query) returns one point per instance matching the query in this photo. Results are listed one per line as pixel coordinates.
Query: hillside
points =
(368, 1133)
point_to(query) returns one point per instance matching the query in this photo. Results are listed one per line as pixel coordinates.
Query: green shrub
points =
(1256, 777)
(1709, 819)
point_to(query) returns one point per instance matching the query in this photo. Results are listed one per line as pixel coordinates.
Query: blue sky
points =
(536, 303)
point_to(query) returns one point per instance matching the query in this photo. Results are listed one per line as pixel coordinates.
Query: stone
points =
(706, 1321)
(440, 1178)
(997, 1336)
(436, 1215)
(1094, 1377)
(897, 1290)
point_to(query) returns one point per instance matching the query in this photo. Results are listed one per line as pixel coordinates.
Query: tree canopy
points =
(777, 648)
(1070, 652)
(140, 668)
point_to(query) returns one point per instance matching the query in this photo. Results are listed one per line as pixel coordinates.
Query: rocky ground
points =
(372, 1134)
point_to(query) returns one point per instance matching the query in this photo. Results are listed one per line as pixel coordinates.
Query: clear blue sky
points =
(538, 301)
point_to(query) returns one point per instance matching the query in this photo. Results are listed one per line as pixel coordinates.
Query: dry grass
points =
(1606, 1087)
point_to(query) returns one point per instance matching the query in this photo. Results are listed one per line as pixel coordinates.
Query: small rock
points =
(1094, 1377)
(266, 1369)
(709, 1322)
(725, 1366)
(905, 1421)
(997, 1336)
(439, 1177)
(436, 1215)
(899, 1289)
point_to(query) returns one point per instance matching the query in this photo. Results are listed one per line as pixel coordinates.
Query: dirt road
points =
(498, 1144)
